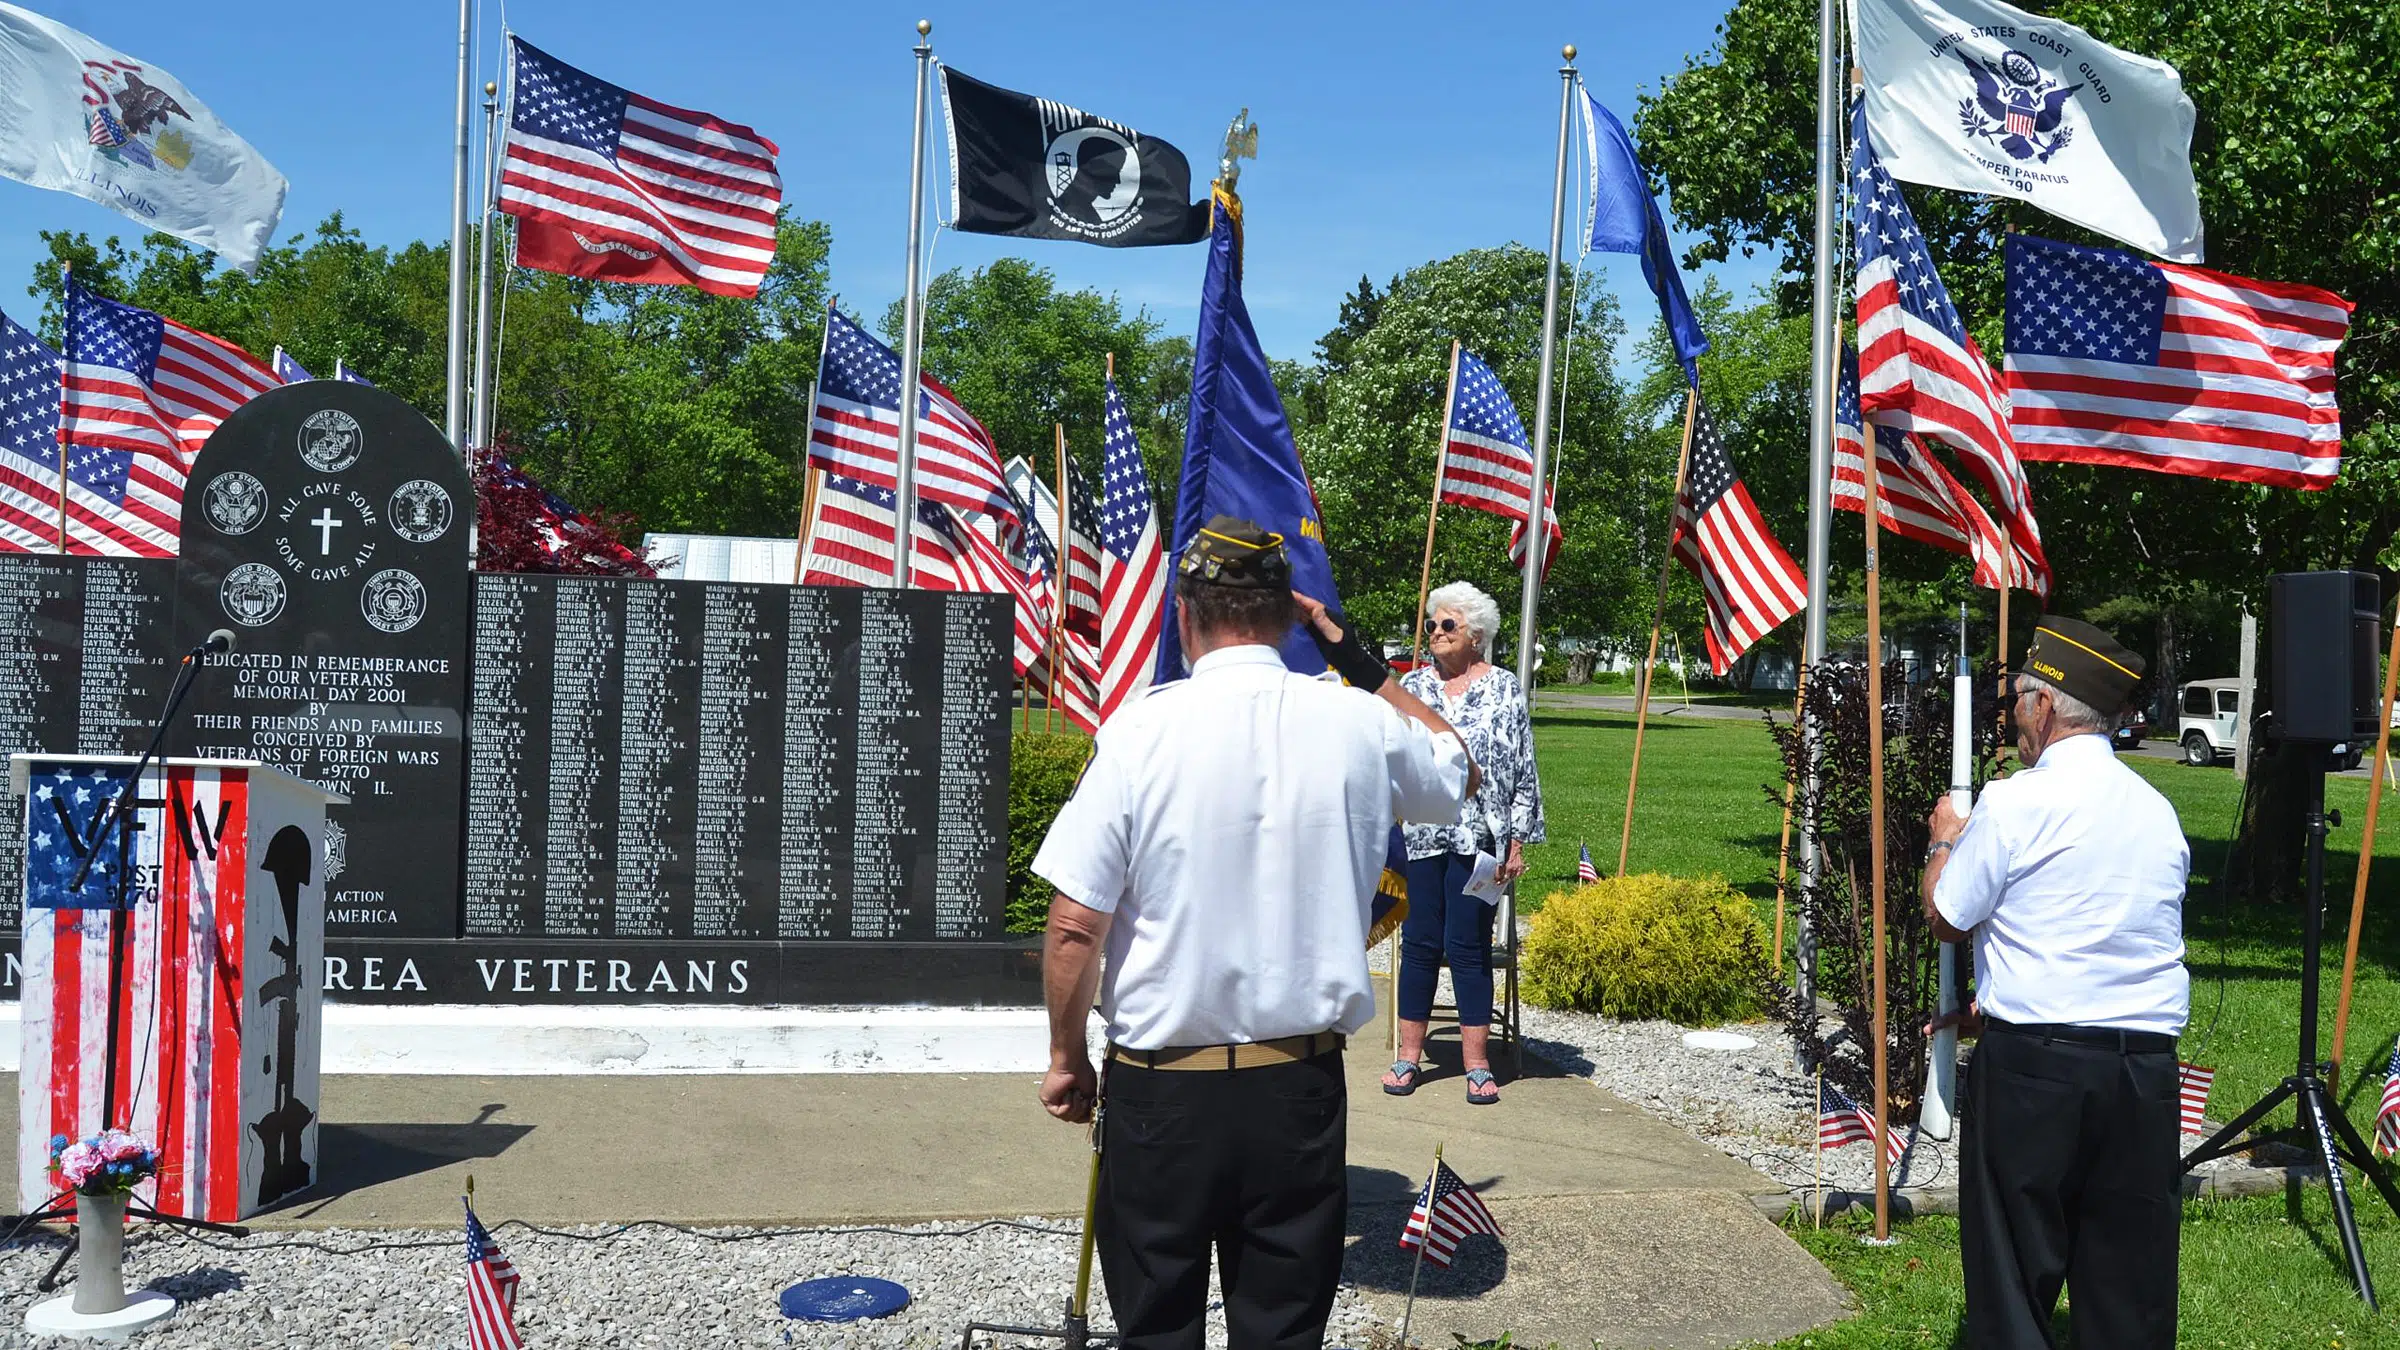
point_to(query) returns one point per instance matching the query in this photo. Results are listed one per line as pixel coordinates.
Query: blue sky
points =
(1390, 134)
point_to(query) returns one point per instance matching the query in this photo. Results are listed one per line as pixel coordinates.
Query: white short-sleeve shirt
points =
(2071, 874)
(1235, 824)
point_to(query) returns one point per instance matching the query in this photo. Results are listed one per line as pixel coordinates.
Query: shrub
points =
(1647, 946)
(1042, 769)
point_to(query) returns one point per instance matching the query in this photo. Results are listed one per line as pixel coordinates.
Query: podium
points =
(217, 897)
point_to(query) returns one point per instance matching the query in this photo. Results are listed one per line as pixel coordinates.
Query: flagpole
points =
(454, 368)
(912, 321)
(1883, 1123)
(812, 478)
(66, 310)
(812, 481)
(1819, 1186)
(1534, 539)
(1824, 331)
(2366, 848)
(1409, 1309)
(483, 272)
(1658, 619)
(1441, 466)
(1058, 609)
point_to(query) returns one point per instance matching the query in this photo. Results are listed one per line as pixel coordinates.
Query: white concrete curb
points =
(472, 1040)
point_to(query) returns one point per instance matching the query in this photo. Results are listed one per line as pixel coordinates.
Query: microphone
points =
(219, 642)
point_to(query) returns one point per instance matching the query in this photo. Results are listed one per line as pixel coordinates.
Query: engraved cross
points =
(326, 522)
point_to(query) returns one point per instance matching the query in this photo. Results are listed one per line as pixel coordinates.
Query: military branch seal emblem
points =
(330, 440)
(252, 594)
(393, 600)
(420, 511)
(235, 502)
(2017, 107)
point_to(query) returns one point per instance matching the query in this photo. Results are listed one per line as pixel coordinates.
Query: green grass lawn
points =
(2253, 1274)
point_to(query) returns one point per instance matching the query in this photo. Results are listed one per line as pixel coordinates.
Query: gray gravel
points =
(649, 1287)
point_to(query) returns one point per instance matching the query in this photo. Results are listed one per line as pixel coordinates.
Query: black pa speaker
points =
(2325, 629)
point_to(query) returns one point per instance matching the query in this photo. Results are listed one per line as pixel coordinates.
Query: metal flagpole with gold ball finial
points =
(479, 420)
(1532, 593)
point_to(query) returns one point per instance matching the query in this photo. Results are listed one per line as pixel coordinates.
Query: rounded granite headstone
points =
(326, 524)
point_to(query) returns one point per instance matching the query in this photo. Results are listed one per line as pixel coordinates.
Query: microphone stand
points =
(118, 817)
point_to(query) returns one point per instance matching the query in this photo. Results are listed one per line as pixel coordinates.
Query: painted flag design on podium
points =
(1487, 463)
(1749, 583)
(491, 1292)
(2115, 359)
(1133, 565)
(611, 185)
(1842, 1121)
(1447, 1211)
(143, 394)
(2191, 1088)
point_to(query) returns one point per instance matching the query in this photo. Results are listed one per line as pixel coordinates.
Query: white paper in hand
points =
(1486, 884)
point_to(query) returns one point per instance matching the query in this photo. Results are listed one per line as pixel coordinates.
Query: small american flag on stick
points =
(2191, 1085)
(1447, 1211)
(1842, 1121)
(1486, 461)
(1585, 873)
(491, 1292)
(2387, 1116)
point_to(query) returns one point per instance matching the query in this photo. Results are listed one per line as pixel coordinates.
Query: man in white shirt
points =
(1223, 847)
(2069, 880)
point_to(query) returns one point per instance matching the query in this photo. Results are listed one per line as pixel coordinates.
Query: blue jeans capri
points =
(1445, 922)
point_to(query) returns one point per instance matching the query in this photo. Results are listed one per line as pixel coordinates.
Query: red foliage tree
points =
(523, 527)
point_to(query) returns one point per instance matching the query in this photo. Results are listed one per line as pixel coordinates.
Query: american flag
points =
(850, 541)
(1842, 1121)
(142, 395)
(1918, 497)
(1065, 665)
(1919, 371)
(854, 430)
(1749, 582)
(1585, 873)
(1486, 461)
(1084, 566)
(29, 388)
(286, 368)
(1447, 1211)
(491, 1292)
(613, 185)
(342, 371)
(1133, 568)
(2115, 359)
(2191, 1086)
(2387, 1115)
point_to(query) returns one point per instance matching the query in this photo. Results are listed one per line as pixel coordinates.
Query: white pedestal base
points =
(57, 1317)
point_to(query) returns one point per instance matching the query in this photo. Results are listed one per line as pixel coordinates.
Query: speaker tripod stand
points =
(2322, 1129)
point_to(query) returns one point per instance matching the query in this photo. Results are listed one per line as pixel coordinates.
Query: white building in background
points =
(722, 557)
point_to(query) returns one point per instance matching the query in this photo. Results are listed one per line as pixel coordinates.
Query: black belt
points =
(2107, 1038)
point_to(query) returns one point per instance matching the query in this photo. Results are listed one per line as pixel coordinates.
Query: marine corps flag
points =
(1041, 170)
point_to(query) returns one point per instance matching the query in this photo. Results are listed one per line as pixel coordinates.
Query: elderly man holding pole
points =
(2069, 879)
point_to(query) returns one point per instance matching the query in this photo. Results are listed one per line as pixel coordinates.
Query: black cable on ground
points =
(612, 1231)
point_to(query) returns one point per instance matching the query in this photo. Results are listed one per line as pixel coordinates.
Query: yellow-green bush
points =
(1042, 772)
(1647, 946)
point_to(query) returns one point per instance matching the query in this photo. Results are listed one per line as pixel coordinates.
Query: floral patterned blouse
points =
(1492, 717)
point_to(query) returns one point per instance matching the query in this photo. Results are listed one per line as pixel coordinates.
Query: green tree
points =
(1372, 455)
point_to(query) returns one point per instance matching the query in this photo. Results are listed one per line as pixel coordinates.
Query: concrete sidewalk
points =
(1621, 1227)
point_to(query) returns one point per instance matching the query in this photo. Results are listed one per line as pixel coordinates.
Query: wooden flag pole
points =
(2366, 847)
(1883, 1121)
(1783, 850)
(812, 480)
(1058, 611)
(1658, 619)
(1441, 466)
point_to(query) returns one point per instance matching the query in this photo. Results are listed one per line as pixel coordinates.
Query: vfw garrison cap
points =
(2086, 663)
(1233, 552)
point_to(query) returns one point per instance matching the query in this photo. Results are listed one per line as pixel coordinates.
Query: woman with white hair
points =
(1487, 706)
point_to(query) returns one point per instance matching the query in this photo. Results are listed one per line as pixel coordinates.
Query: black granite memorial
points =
(326, 524)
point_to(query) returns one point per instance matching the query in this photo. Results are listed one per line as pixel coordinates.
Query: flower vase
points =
(99, 1252)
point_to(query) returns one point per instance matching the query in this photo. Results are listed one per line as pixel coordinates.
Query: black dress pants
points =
(2070, 1175)
(1247, 1163)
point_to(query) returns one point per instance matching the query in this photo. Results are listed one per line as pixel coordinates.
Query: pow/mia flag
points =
(1041, 170)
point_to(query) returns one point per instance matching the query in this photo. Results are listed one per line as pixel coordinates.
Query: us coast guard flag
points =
(1983, 97)
(85, 118)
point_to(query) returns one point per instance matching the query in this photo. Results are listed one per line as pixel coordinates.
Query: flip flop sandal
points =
(1407, 1074)
(1482, 1088)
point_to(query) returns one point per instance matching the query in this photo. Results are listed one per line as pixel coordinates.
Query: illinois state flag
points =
(1981, 96)
(85, 118)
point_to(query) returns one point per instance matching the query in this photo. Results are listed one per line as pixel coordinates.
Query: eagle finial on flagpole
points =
(1241, 142)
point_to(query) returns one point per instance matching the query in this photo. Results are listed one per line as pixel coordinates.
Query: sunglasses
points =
(1441, 625)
